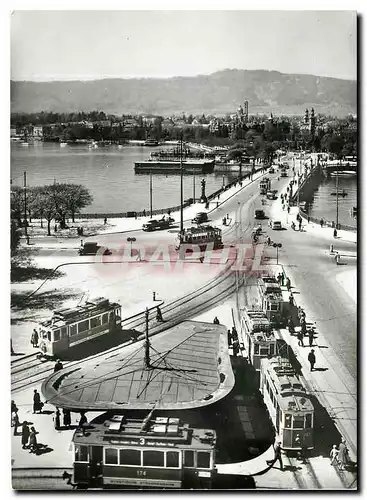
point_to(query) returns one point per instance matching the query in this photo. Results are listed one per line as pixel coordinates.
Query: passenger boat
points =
(174, 166)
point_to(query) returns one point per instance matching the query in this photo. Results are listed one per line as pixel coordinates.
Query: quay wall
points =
(162, 211)
(306, 188)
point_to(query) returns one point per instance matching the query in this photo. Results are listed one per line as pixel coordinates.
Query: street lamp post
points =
(151, 194)
(277, 245)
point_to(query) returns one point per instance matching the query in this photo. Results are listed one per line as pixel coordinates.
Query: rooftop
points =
(189, 368)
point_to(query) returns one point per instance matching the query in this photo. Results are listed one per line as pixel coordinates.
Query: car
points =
(271, 170)
(275, 224)
(91, 248)
(283, 173)
(200, 218)
(156, 225)
(259, 214)
(271, 195)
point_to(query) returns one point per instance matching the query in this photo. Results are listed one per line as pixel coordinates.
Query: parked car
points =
(271, 195)
(275, 224)
(259, 214)
(200, 218)
(91, 248)
(156, 225)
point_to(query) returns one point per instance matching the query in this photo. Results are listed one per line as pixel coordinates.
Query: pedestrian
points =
(159, 314)
(236, 347)
(105, 221)
(312, 359)
(288, 284)
(14, 407)
(37, 403)
(25, 435)
(55, 228)
(283, 278)
(303, 327)
(35, 337)
(277, 455)
(288, 209)
(66, 418)
(268, 240)
(300, 338)
(58, 366)
(334, 455)
(321, 222)
(308, 219)
(279, 278)
(291, 299)
(300, 225)
(33, 445)
(16, 422)
(144, 213)
(83, 422)
(216, 321)
(234, 332)
(342, 455)
(311, 336)
(335, 233)
(57, 419)
(229, 337)
(291, 326)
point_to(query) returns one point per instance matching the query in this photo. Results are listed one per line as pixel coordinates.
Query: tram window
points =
(81, 453)
(272, 350)
(83, 326)
(73, 330)
(56, 335)
(308, 423)
(111, 456)
(112, 316)
(189, 458)
(105, 318)
(64, 332)
(287, 421)
(298, 422)
(264, 351)
(153, 458)
(203, 459)
(130, 457)
(172, 459)
(117, 312)
(95, 322)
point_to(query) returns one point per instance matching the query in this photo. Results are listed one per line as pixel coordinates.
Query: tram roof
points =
(190, 367)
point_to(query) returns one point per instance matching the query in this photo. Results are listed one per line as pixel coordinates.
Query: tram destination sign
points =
(141, 442)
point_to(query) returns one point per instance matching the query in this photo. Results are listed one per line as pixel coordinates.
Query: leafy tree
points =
(77, 197)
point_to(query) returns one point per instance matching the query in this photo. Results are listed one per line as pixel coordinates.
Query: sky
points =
(90, 44)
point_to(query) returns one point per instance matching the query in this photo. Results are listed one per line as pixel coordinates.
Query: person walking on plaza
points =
(234, 332)
(311, 336)
(13, 406)
(57, 419)
(334, 455)
(300, 338)
(58, 366)
(277, 455)
(321, 222)
(291, 326)
(159, 314)
(16, 422)
(216, 321)
(279, 278)
(342, 455)
(312, 359)
(288, 284)
(33, 445)
(66, 417)
(34, 338)
(229, 337)
(25, 435)
(37, 404)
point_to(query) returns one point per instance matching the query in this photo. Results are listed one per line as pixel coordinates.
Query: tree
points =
(77, 197)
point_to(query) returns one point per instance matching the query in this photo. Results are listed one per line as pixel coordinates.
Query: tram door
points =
(96, 464)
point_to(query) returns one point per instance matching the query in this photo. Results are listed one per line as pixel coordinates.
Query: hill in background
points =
(218, 93)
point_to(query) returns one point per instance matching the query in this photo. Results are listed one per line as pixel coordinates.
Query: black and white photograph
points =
(183, 248)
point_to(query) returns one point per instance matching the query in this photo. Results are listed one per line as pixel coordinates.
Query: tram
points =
(200, 236)
(260, 339)
(117, 451)
(70, 327)
(289, 405)
(265, 185)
